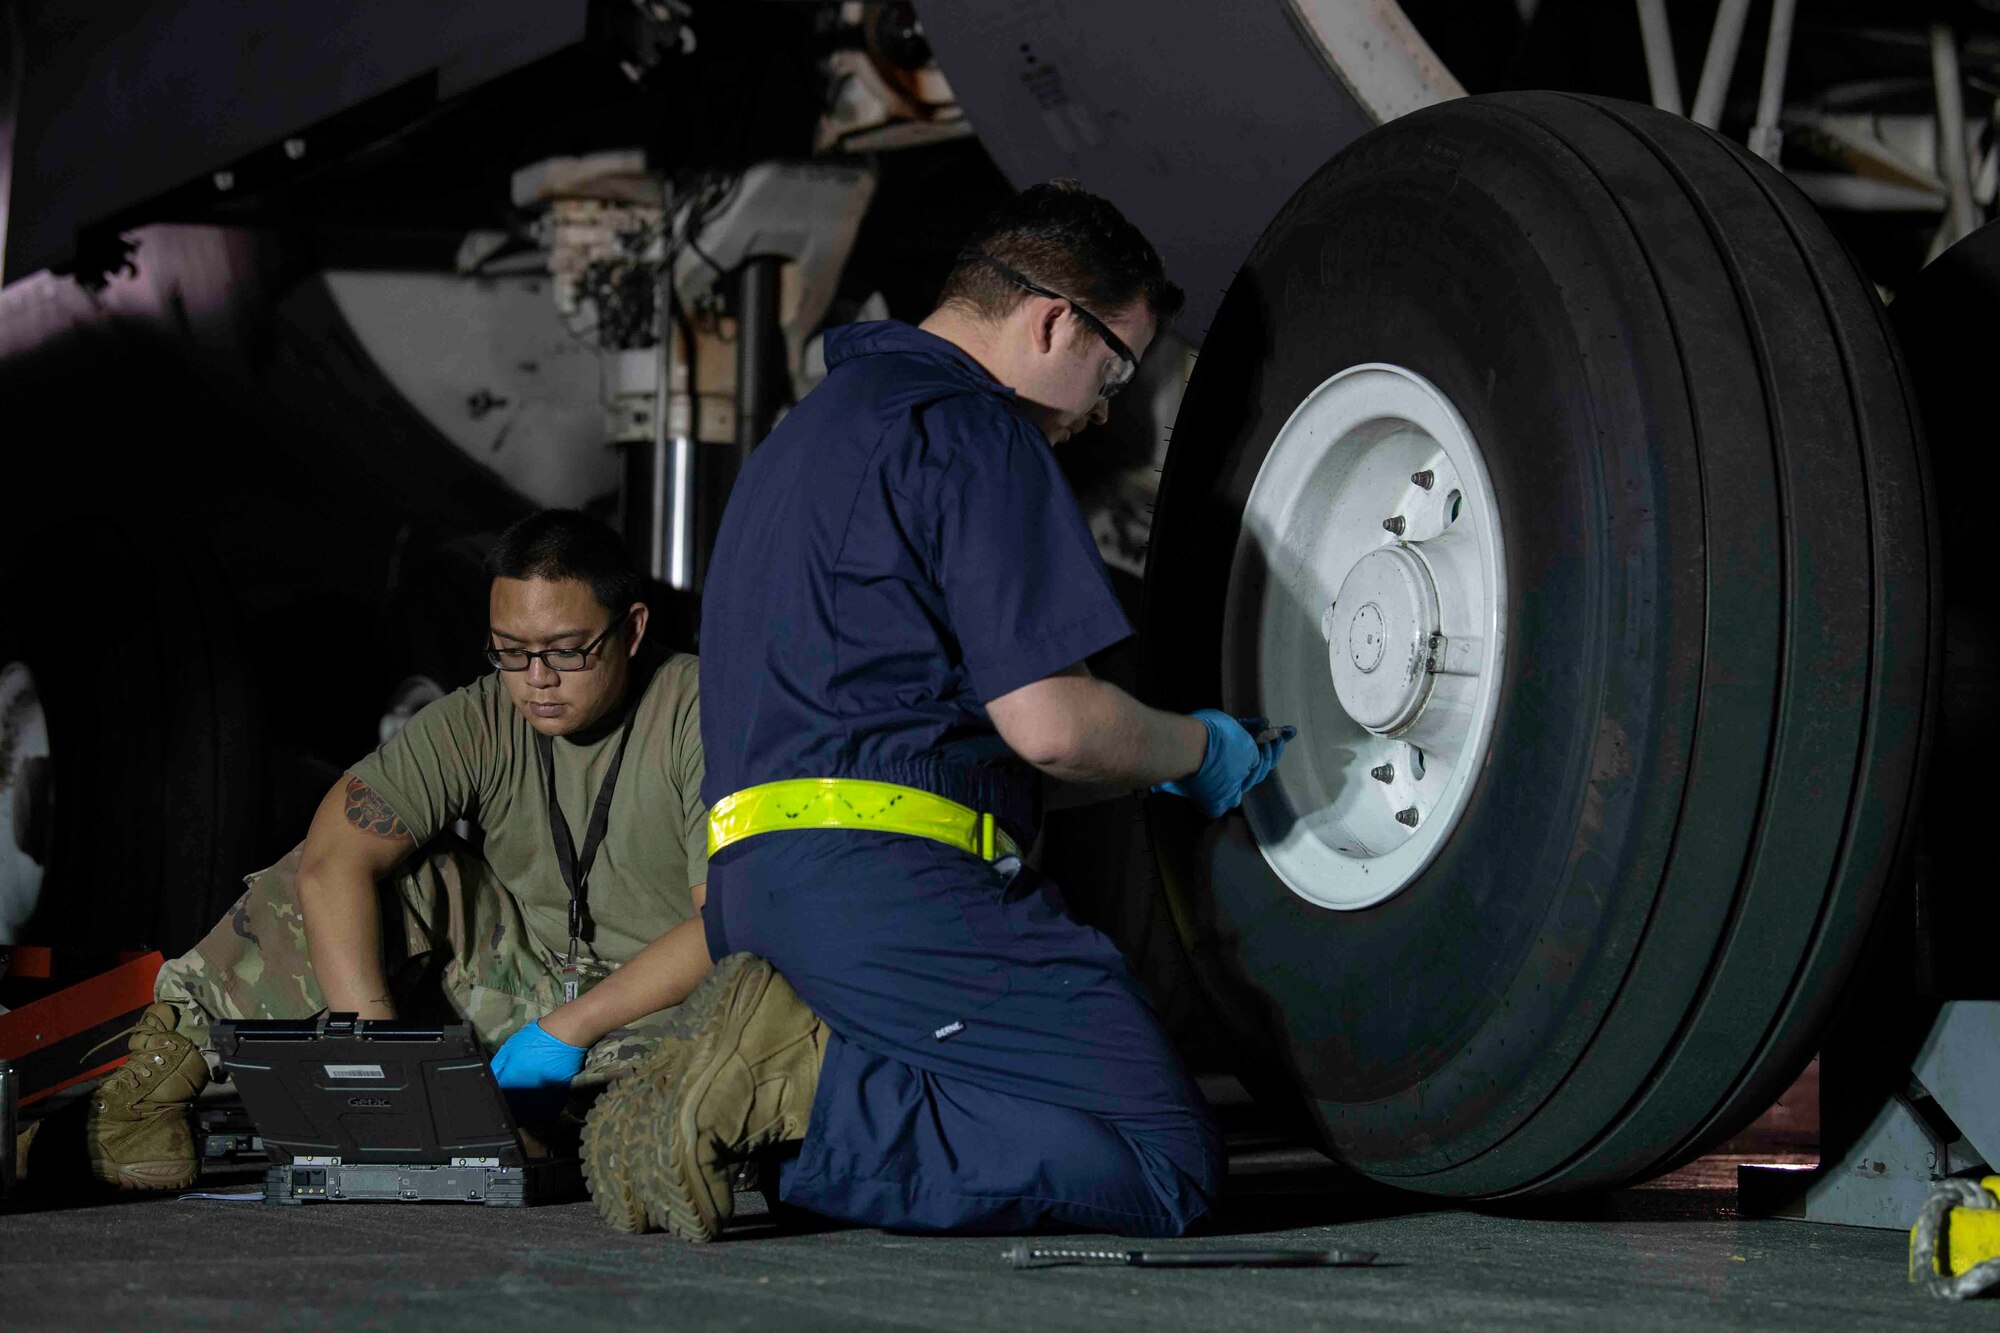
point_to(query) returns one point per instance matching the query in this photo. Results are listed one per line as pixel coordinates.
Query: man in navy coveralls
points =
(901, 601)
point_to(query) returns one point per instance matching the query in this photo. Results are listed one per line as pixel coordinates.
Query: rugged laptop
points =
(357, 1111)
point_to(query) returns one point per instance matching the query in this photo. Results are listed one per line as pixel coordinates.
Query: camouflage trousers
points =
(454, 943)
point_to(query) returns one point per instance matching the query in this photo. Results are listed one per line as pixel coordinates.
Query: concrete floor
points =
(1672, 1255)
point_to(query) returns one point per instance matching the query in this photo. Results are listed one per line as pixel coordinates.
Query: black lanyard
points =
(576, 869)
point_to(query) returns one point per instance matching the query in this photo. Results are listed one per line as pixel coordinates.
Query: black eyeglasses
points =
(555, 659)
(1129, 364)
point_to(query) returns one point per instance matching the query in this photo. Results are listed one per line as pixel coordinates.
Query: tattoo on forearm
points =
(370, 813)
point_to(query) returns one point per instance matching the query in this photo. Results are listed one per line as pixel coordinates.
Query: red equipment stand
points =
(50, 1040)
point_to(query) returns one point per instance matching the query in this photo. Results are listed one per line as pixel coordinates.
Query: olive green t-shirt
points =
(471, 755)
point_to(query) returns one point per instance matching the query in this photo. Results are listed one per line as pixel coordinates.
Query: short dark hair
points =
(559, 544)
(1063, 237)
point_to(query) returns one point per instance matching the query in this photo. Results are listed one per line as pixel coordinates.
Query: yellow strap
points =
(886, 807)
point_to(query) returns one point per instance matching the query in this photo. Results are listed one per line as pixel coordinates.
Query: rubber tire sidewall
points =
(155, 735)
(1453, 1010)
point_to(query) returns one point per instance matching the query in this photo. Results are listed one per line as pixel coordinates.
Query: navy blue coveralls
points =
(901, 549)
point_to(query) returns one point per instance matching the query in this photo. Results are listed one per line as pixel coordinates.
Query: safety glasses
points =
(555, 659)
(1128, 365)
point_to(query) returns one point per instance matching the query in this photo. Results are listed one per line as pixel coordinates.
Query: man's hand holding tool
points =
(1241, 753)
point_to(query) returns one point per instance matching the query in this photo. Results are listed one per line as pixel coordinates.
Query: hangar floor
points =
(1671, 1255)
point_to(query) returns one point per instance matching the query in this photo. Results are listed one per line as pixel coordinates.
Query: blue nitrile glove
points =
(1232, 764)
(534, 1070)
(1268, 752)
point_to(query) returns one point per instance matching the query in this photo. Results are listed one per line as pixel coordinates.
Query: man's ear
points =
(1048, 314)
(637, 616)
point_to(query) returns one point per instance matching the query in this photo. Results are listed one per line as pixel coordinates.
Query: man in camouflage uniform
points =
(384, 911)
(456, 940)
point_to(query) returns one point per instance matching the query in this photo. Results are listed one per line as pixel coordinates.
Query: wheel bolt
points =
(1395, 525)
(1408, 816)
(1383, 773)
(1425, 479)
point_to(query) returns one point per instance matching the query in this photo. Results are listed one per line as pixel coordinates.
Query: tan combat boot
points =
(137, 1125)
(748, 1086)
(24, 1143)
(618, 1148)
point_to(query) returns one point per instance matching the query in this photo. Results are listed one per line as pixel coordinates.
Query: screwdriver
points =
(1023, 1255)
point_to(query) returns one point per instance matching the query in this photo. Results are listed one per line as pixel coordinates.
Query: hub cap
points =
(1367, 605)
(1389, 607)
(26, 794)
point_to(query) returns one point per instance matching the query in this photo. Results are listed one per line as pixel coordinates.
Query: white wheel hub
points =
(1367, 605)
(25, 794)
(1380, 624)
(405, 701)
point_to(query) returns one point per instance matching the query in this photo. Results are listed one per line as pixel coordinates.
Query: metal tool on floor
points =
(1022, 1254)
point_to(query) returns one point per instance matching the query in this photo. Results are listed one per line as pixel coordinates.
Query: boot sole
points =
(606, 1168)
(678, 1194)
(146, 1175)
(615, 1154)
(651, 1098)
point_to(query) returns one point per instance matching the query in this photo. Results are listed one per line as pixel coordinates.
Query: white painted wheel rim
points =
(409, 698)
(24, 754)
(1384, 649)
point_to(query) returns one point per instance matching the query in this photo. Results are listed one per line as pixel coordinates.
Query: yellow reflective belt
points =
(885, 807)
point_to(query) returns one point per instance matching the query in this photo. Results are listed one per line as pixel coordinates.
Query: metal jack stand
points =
(1882, 1147)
